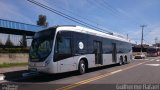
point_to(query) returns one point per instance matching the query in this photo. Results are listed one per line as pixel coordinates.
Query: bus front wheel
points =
(82, 67)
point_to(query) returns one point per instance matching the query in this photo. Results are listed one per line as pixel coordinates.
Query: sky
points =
(120, 16)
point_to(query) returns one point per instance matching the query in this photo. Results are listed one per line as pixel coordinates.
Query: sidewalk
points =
(11, 72)
(11, 69)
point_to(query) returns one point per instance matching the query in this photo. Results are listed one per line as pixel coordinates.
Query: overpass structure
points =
(17, 28)
(24, 30)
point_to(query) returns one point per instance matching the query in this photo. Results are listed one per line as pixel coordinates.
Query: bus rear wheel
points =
(82, 67)
(126, 61)
(121, 61)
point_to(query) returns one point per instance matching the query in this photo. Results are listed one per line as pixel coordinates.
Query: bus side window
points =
(63, 48)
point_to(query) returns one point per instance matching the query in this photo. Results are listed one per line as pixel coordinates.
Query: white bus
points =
(68, 48)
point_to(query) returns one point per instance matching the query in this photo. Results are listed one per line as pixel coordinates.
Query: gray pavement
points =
(141, 72)
(11, 72)
(11, 69)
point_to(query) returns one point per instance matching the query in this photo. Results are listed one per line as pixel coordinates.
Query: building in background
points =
(156, 45)
(137, 48)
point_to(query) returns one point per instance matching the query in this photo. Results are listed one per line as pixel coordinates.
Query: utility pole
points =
(142, 37)
(156, 39)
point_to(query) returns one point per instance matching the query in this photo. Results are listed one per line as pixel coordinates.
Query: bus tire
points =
(125, 61)
(82, 67)
(121, 61)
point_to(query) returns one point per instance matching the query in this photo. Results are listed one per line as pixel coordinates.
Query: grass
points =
(6, 65)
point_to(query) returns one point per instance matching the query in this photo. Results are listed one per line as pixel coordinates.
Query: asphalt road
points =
(137, 75)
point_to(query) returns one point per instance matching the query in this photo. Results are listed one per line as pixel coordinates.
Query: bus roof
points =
(92, 32)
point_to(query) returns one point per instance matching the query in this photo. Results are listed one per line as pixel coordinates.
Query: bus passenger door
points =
(98, 52)
(114, 52)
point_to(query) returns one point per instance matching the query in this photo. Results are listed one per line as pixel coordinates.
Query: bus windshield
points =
(41, 45)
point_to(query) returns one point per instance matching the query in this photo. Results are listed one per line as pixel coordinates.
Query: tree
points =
(1, 43)
(23, 41)
(9, 42)
(42, 21)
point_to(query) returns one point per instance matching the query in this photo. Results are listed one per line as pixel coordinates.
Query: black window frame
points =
(61, 35)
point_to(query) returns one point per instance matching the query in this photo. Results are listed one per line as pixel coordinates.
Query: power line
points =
(116, 11)
(95, 4)
(55, 11)
(109, 7)
(147, 42)
(64, 15)
(91, 21)
(106, 6)
(76, 14)
(102, 8)
(99, 5)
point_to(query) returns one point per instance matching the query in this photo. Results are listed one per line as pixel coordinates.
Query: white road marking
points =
(138, 59)
(97, 77)
(158, 60)
(116, 71)
(141, 59)
(153, 64)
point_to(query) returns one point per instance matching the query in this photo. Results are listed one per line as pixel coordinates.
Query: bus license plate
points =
(33, 69)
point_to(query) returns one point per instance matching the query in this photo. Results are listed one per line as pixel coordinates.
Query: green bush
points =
(5, 65)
